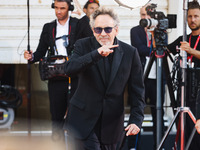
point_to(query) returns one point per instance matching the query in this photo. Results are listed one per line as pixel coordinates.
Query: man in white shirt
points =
(57, 38)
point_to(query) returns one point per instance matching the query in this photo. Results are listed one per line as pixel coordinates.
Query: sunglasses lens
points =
(108, 29)
(98, 30)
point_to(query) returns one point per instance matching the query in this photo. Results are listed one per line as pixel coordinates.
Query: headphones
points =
(71, 7)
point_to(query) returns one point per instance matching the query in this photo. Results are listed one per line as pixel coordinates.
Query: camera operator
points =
(192, 47)
(57, 38)
(143, 39)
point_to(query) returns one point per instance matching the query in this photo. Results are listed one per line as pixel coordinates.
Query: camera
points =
(160, 22)
(158, 19)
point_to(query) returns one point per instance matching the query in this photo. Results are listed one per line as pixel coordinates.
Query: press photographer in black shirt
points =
(192, 47)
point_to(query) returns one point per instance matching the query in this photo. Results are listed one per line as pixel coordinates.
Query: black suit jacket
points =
(47, 39)
(93, 98)
(139, 40)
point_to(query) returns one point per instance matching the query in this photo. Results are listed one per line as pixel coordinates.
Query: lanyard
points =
(150, 43)
(195, 46)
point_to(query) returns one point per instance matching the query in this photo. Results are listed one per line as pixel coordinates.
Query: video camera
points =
(160, 22)
(158, 19)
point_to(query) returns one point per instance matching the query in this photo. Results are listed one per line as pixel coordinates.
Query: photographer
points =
(143, 39)
(57, 38)
(192, 47)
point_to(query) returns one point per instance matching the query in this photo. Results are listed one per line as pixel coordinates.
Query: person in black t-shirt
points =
(192, 47)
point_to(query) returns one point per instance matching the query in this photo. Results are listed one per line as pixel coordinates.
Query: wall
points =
(13, 24)
(13, 30)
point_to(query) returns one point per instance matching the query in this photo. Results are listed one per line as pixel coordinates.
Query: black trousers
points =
(92, 142)
(59, 97)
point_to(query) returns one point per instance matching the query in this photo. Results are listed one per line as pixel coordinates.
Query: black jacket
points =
(139, 40)
(93, 98)
(47, 39)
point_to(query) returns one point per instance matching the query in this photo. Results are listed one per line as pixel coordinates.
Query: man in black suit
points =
(53, 40)
(83, 27)
(104, 65)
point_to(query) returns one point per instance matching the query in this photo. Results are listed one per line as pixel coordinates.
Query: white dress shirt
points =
(62, 30)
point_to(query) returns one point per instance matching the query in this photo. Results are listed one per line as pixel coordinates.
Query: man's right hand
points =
(28, 55)
(105, 50)
(197, 126)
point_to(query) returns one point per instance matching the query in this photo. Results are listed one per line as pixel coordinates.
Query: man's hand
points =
(197, 126)
(132, 129)
(105, 50)
(186, 47)
(28, 55)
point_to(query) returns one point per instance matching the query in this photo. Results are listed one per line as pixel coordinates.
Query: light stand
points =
(132, 4)
(181, 109)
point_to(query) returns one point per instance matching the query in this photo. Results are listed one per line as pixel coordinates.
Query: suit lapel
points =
(117, 58)
(118, 54)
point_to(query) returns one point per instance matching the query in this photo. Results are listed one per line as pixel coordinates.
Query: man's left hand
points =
(132, 129)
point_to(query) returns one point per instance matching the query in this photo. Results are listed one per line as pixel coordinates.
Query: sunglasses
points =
(98, 30)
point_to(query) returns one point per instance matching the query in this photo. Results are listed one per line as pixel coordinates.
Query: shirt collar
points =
(65, 25)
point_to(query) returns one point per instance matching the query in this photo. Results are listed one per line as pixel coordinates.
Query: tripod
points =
(161, 60)
(181, 109)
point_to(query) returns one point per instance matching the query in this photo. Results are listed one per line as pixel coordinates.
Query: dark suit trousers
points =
(58, 96)
(92, 142)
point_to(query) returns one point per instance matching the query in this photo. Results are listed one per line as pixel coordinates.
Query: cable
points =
(176, 79)
(9, 97)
